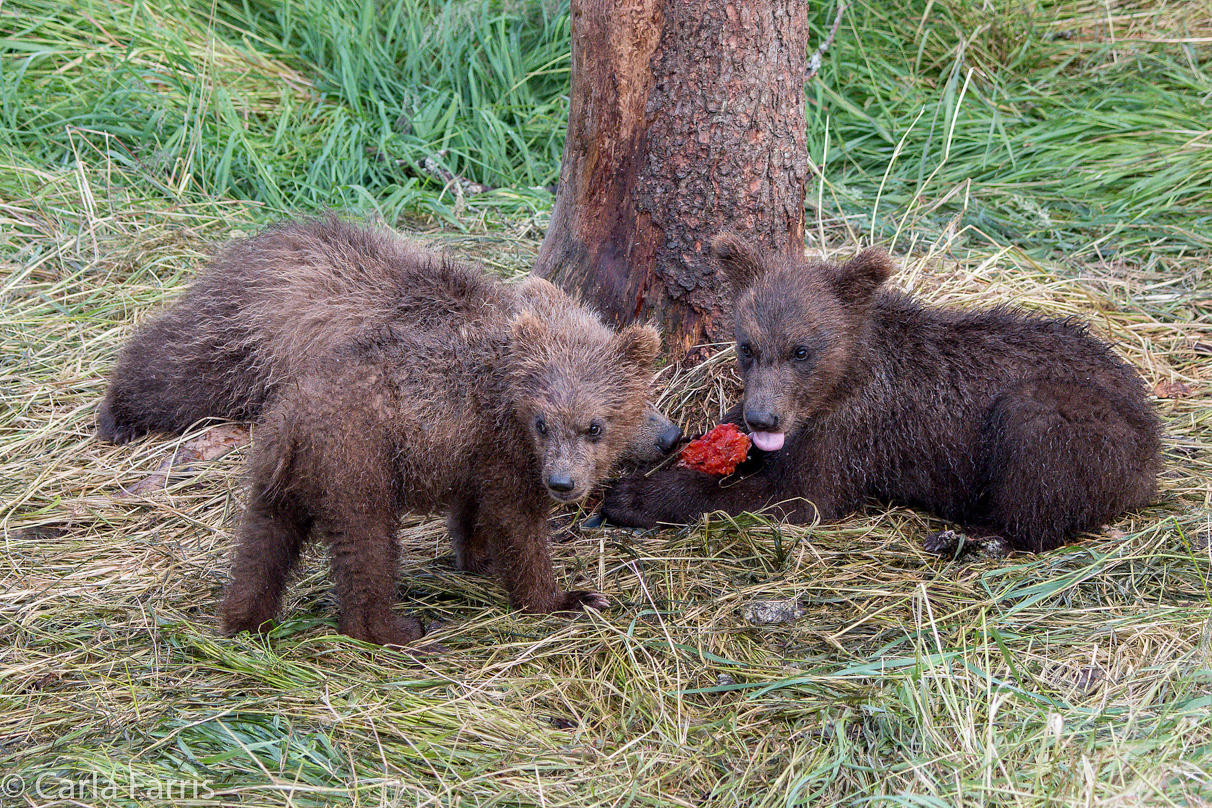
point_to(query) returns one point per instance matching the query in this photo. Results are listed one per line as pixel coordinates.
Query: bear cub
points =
(387, 379)
(1009, 424)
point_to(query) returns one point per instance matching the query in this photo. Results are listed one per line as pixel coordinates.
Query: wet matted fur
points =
(387, 379)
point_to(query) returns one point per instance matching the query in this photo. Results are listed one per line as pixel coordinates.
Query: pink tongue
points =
(768, 441)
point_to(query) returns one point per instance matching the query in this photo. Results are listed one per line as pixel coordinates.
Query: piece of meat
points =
(718, 452)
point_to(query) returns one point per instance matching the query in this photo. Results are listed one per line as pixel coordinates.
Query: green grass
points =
(1052, 155)
(1027, 131)
(292, 106)
(1046, 125)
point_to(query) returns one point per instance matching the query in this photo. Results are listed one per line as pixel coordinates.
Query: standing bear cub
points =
(1009, 424)
(386, 379)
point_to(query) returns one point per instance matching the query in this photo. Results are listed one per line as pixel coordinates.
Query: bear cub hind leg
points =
(471, 547)
(1061, 458)
(272, 534)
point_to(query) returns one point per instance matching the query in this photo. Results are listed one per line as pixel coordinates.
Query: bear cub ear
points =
(740, 261)
(639, 345)
(855, 281)
(527, 332)
(541, 295)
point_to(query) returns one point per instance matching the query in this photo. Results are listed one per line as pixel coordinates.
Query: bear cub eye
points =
(800, 354)
(745, 350)
(540, 425)
(594, 431)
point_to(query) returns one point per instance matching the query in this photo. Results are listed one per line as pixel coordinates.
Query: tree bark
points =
(686, 118)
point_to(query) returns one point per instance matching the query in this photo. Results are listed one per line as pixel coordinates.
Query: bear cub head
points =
(579, 392)
(799, 327)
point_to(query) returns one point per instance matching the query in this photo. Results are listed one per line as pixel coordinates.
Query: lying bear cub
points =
(1012, 425)
(384, 379)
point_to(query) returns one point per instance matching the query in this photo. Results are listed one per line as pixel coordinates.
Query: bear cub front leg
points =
(517, 538)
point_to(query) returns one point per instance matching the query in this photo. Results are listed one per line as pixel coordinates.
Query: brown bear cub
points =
(388, 379)
(1009, 424)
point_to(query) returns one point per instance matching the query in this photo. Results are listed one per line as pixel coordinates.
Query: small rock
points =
(1169, 389)
(771, 612)
(955, 544)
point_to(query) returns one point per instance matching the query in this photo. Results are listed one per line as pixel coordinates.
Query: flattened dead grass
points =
(1079, 677)
(1076, 677)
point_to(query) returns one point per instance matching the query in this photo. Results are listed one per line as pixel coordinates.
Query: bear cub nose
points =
(560, 483)
(669, 438)
(762, 420)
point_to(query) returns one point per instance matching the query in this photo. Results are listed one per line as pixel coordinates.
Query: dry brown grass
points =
(1076, 678)
(1167, 21)
(1073, 678)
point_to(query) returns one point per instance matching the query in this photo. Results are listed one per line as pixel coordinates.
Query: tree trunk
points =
(687, 118)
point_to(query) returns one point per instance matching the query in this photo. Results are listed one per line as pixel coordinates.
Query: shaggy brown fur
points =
(388, 380)
(247, 325)
(1007, 423)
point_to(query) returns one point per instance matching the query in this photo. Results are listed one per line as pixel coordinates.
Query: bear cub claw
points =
(957, 545)
(579, 600)
(399, 631)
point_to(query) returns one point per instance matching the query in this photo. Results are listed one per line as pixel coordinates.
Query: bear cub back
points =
(1011, 424)
(267, 307)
